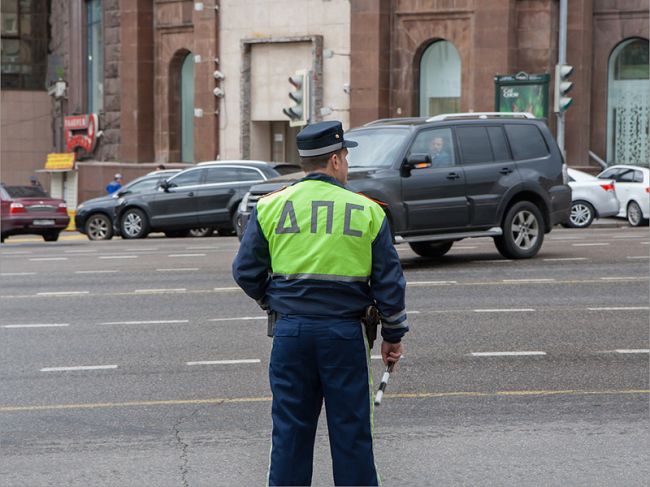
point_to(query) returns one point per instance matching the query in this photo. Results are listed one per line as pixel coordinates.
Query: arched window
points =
(628, 103)
(439, 79)
(187, 109)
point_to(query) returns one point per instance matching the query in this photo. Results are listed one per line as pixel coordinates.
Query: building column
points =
(137, 79)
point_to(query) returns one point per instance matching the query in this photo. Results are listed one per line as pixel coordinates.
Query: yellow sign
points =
(60, 161)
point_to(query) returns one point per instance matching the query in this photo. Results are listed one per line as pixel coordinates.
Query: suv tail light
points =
(63, 208)
(16, 207)
(607, 187)
(647, 190)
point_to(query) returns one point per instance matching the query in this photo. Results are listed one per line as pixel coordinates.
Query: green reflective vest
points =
(319, 230)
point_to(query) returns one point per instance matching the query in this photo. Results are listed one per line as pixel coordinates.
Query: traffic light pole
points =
(561, 59)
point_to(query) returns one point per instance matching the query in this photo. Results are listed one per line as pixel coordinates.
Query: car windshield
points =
(26, 192)
(377, 147)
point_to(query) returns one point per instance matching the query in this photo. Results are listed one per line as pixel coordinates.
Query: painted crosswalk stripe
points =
(61, 293)
(40, 259)
(107, 271)
(78, 367)
(175, 290)
(619, 308)
(37, 325)
(105, 257)
(7, 274)
(504, 310)
(225, 362)
(527, 280)
(149, 322)
(506, 354)
(638, 350)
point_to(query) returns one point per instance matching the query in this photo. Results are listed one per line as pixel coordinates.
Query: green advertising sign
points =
(522, 93)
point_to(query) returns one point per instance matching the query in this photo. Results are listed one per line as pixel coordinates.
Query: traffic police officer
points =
(318, 254)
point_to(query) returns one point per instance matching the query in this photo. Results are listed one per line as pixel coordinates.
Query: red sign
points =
(81, 132)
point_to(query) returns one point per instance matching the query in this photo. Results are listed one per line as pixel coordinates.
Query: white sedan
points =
(632, 190)
(590, 198)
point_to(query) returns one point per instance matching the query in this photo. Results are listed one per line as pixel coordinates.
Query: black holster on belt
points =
(370, 321)
(272, 317)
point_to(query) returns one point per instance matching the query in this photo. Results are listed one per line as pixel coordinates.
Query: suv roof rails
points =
(229, 161)
(481, 115)
(395, 120)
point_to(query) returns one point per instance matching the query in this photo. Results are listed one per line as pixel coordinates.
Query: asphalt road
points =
(136, 363)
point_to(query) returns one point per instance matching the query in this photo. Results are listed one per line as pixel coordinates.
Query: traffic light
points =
(298, 113)
(562, 87)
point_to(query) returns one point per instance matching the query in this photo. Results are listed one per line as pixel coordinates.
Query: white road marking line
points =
(78, 367)
(43, 325)
(594, 244)
(18, 274)
(79, 251)
(241, 318)
(527, 280)
(497, 261)
(19, 252)
(186, 255)
(566, 258)
(618, 278)
(96, 272)
(629, 236)
(150, 322)
(201, 248)
(465, 247)
(179, 269)
(140, 249)
(226, 289)
(566, 238)
(619, 308)
(430, 283)
(40, 259)
(638, 257)
(173, 290)
(225, 362)
(627, 350)
(504, 310)
(644, 243)
(118, 257)
(61, 293)
(505, 354)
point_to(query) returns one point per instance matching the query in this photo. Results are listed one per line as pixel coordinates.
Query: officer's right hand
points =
(391, 353)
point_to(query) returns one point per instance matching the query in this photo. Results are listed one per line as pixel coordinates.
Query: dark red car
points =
(30, 210)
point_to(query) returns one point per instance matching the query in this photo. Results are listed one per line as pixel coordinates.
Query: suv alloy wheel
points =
(523, 232)
(99, 227)
(582, 215)
(134, 224)
(634, 214)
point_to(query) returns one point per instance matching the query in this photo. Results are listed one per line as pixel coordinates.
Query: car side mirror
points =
(124, 192)
(165, 185)
(417, 161)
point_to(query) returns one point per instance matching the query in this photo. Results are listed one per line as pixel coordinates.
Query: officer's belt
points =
(320, 277)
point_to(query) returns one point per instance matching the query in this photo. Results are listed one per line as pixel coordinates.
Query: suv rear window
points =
(526, 141)
(25, 192)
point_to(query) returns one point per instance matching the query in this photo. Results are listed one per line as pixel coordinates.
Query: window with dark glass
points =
(25, 38)
(221, 175)
(474, 145)
(187, 178)
(94, 57)
(499, 144)
(526, 142)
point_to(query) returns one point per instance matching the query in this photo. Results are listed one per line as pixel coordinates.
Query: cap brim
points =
(350, 143)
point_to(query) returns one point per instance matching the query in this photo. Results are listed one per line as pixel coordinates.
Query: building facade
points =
(183, 81)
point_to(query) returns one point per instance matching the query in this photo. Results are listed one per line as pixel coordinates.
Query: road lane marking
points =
(239, 400)
(226, 289)
(513, 281)
(78, 367)
(497, 261)
(465, 247)
(42, 325)
(241, 318)
(41, 259)
(202, 248)
(638, 257)
(504, 310)
(637, 350)
(225, 362)
(619, 308)
(566, 238)
(140, 249)
(644, 243)
(154, 291)
(111, 271)
(629, 236)
(178, 269)
(19, 252)
(79, 251)
(618, 278)
(149, 322)
(186, 255)
(593, 244)
(7, 274)
(62, 293)
(105, 257)
(559, 259)
(505, 354)
(430, 283)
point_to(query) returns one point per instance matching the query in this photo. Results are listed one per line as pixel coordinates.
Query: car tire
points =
(177, 233)
(582, 215)
(201, 232)
(523, 232)
(431, 249)
(634, 214)
(99, 227)
(134, 224)
(51, 236)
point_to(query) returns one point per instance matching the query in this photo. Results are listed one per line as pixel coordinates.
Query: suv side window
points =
(144, 185)
(627, 176)
(526, 141)
(245, 174)
(187, 178)
(221, 175)
(500, 148)
(438, 144)
(474, 145)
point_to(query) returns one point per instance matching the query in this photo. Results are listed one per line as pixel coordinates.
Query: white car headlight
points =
(244, 203)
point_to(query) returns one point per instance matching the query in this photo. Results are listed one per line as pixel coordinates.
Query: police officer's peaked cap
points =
(322, 138)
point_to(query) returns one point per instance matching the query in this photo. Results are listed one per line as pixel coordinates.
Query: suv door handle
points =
(191, 193)
(453, 175)
(505, 170)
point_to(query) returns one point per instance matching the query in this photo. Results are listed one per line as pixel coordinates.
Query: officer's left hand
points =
(391, 353)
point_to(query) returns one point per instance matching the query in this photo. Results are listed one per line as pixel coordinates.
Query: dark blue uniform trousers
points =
(316, 358)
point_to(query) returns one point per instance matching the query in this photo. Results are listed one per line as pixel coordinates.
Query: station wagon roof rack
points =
(480, 115)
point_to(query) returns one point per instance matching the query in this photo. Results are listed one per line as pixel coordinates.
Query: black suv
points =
(456, 176)
(203, 196)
